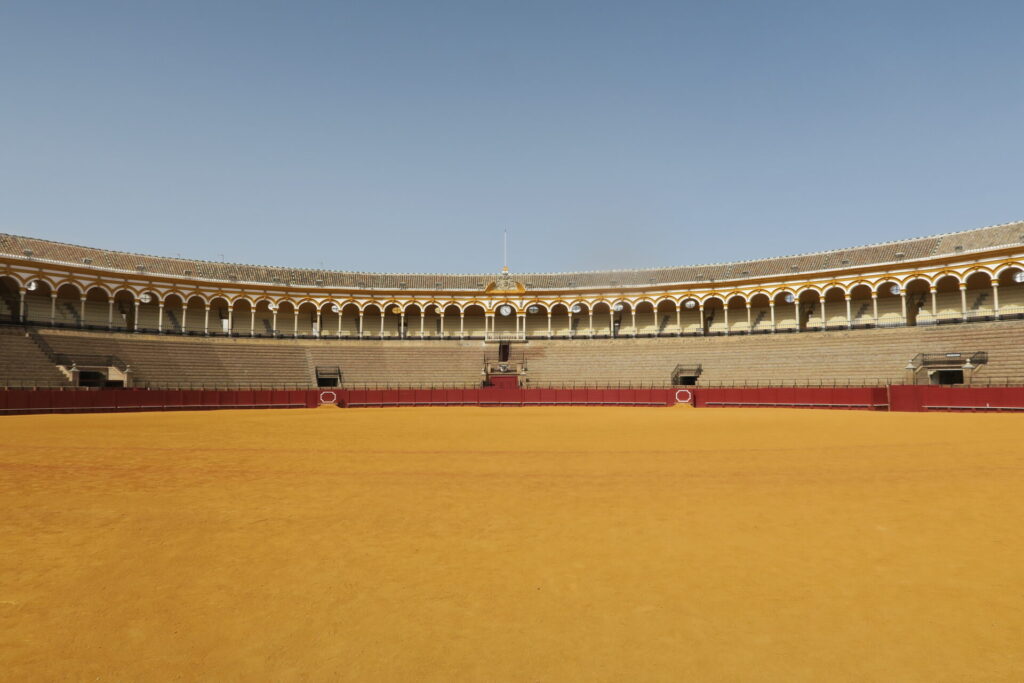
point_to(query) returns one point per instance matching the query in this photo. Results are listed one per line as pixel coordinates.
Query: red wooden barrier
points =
(897, 398)
(862, 398)
(981, 399)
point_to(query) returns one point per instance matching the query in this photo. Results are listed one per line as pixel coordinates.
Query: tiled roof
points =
(889, 252)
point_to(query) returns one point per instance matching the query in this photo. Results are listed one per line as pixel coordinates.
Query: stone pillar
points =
(401, 324)
(849, 313)
(160, 317)
(231, 319)
(903, 305)
(135, 320)
(252, 321)
(184, 318)
(590, 313)
(382, 314)
(360, 324)
(963, 301)
(995, 298)
(750, 319)
(295, 324)
(725, 308)
(110, 313)
(935, 301)
(81, 317)
(423, 316)
(679, 320)
(796, 307)
(874, 307)
(21, 309)
(53, 308)
(462, 324)
(549, 324)
(632, 310)
(273, 322)
(824, 315)
(340, 312)
(771, 306)
(206, 321)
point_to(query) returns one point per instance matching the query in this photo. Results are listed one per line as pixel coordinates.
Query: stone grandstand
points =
(874, 357)
(83, 316)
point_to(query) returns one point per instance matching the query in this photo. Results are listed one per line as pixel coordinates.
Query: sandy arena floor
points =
(532, 544)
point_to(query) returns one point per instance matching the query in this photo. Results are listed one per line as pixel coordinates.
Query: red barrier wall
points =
(861, 398)
(923, 398)
(896, 398)
(495, 396)
(20, 401)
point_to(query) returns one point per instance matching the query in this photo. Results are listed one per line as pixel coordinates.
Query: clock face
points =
(691, 304)
(1018, 277)
(505, 310)
(533, 309)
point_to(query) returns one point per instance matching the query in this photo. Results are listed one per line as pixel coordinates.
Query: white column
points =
(849, 313)
(360, 324)
(549, 324)
(319, 322)
(874, 307)
(462, 324)
(963, 301)
(110, 313)
(252, 321)
(53, 308)
(824, 315)
(590, 315)
(206, 321)
(632, 311)
(273, 321)
(725, 308)
(796, 307)
(935, 301)
(160, 317)
(382, 314)
(771, 305)
(611, 322)
(341, 312)
(135, 320)
(679, 320)
(903, 305)
(81, 317)
(184, 318)
(995, 298)
(750, 319)
(700, 312)
(21, 310)
(441, 314)
(422, 318)
(231, 319)
(401, 324)
(295, 324)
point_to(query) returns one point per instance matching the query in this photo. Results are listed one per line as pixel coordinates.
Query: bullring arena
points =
(797, 468)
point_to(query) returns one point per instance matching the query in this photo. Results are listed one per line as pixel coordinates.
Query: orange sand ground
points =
(532, 544)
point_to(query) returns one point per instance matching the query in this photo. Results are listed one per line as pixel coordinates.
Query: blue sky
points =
(406, 136)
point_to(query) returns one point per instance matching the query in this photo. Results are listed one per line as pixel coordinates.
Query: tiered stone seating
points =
(23, 363)
(875, 356)
(859, 356)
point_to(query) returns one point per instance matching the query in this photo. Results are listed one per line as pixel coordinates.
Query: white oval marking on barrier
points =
(689, 396)
(323, 395)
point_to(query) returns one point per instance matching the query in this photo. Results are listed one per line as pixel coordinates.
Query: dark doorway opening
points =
(948, 377)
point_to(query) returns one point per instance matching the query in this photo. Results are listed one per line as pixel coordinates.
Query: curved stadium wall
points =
(974, 276)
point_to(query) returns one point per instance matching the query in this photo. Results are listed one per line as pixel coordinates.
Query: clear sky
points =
(406, 136)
